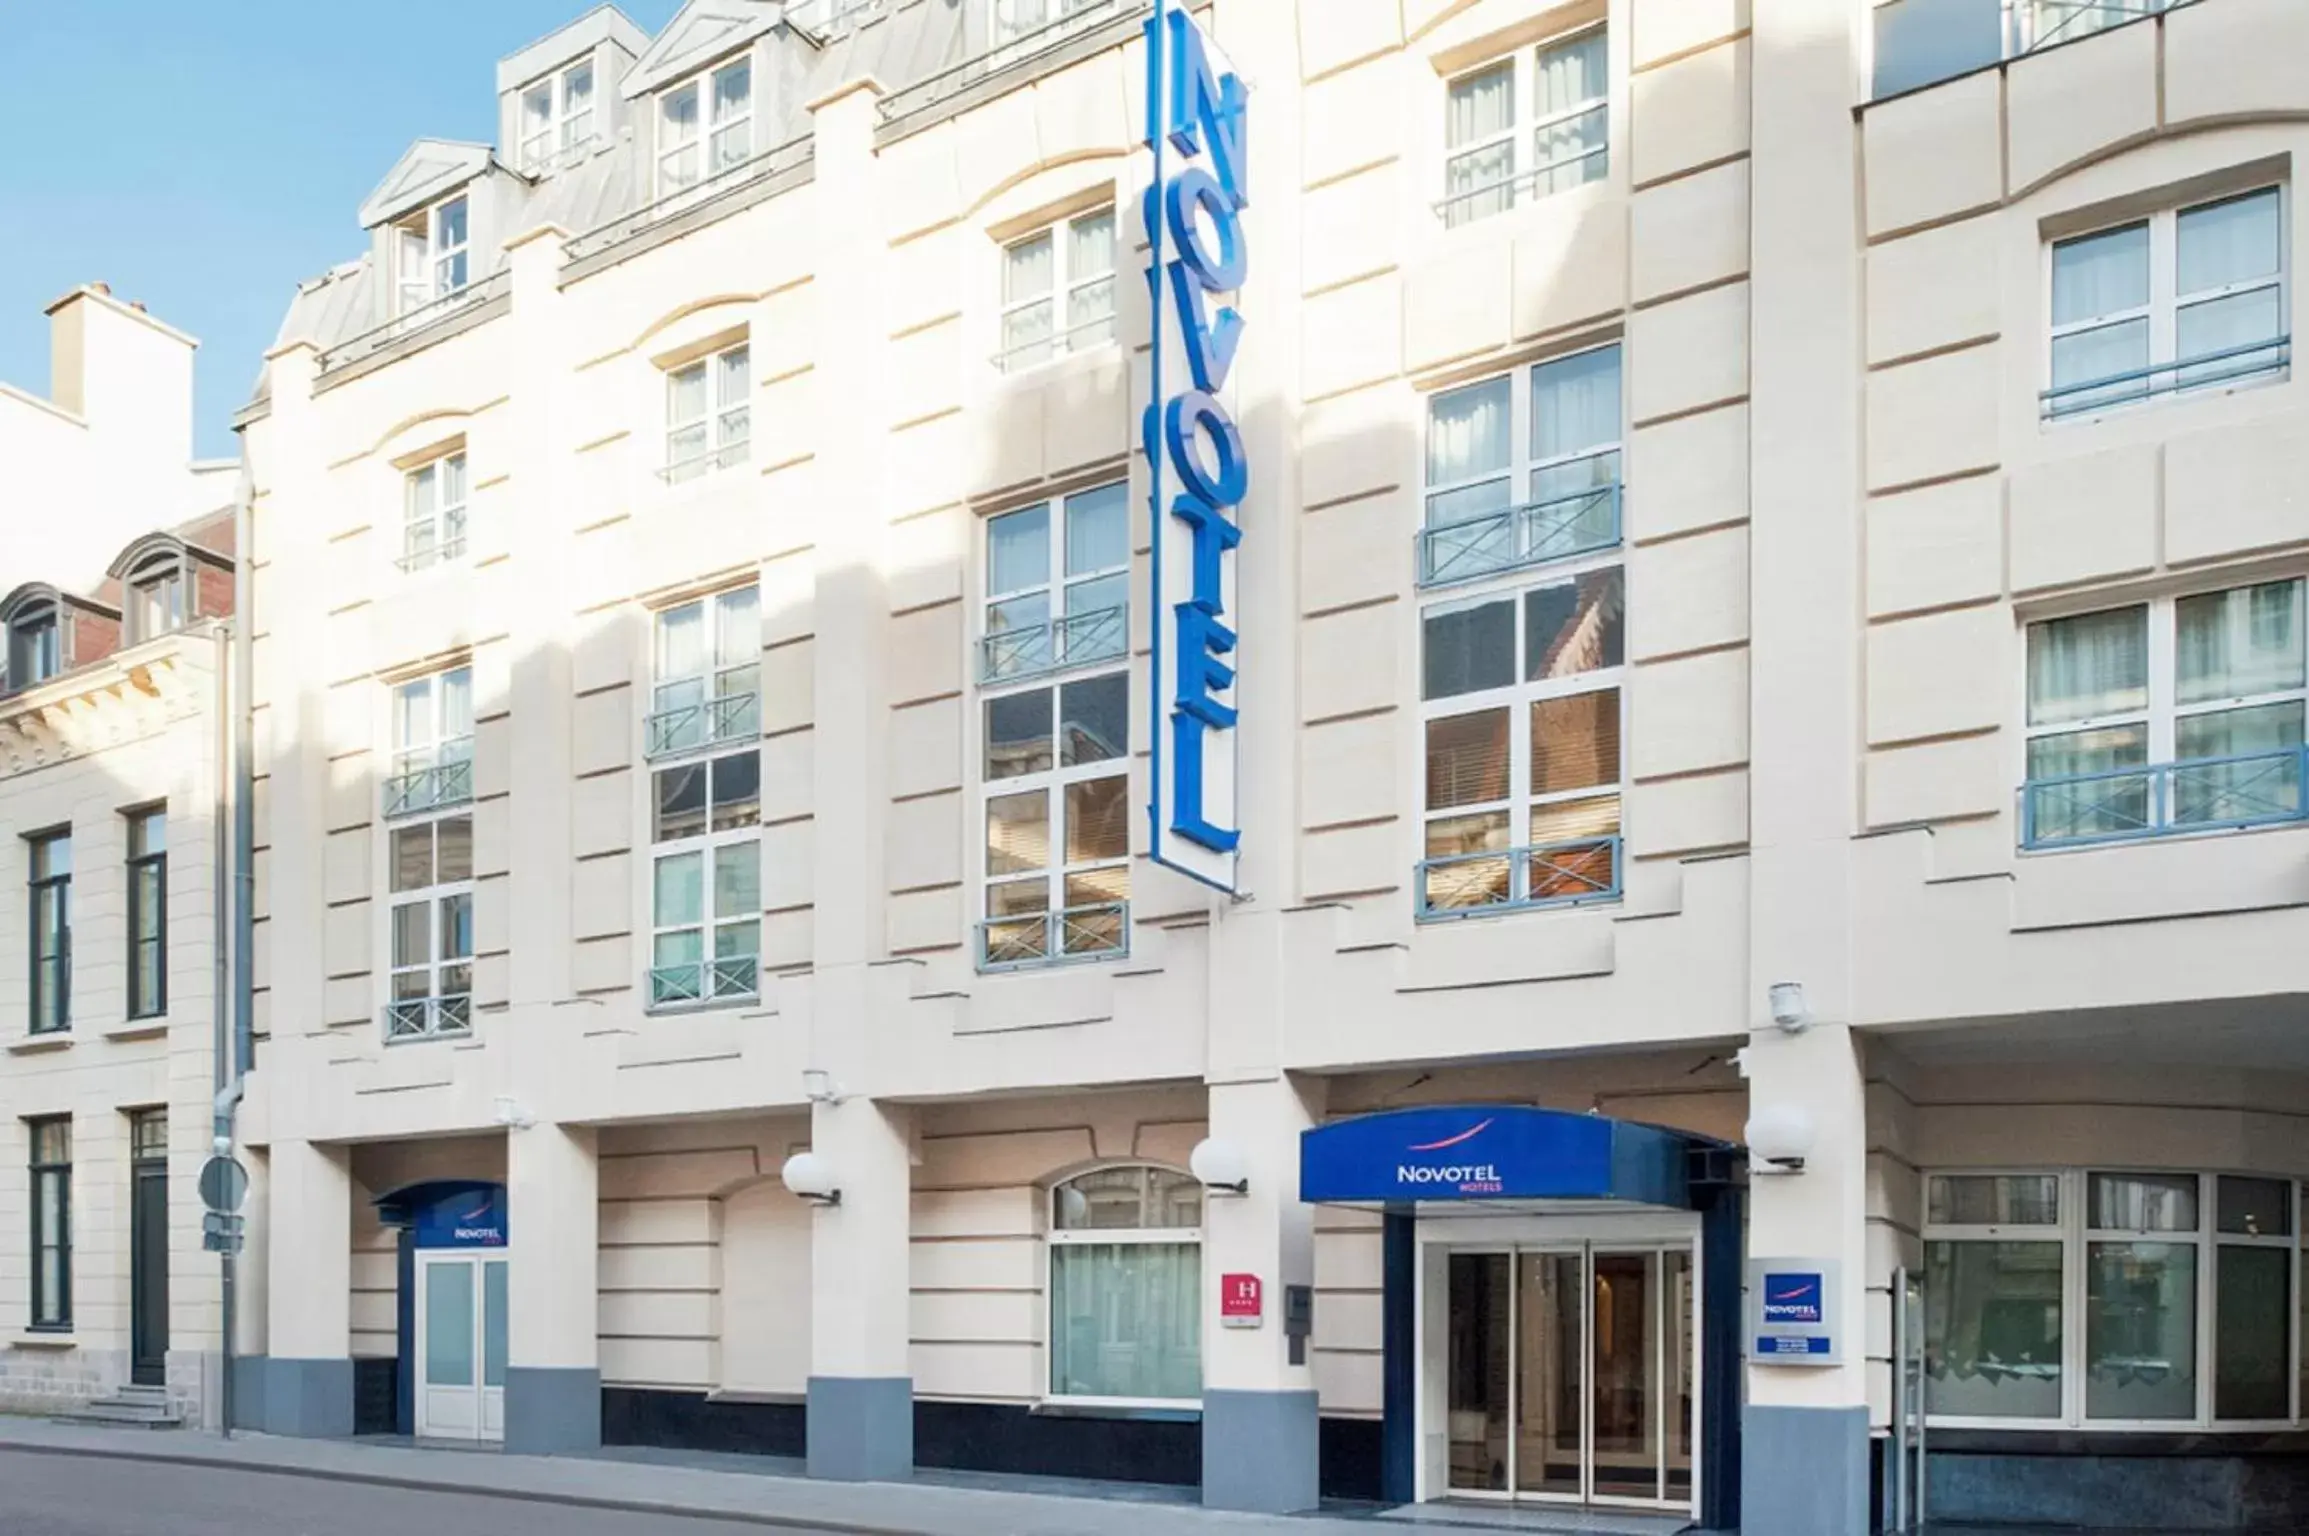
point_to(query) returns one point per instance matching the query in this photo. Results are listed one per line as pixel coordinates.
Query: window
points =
(35, 644)
(2175, 715)
(156, 598)
(708, 665)
(147, 913)
(2111, 1298)
(1526, 127)
(432, 929)
(1523, 765)
(556, 116)
(2181, 300)
(1014, 19)
(51, 933)
(1523, 469)
(2046, 22)
(432, 253)
(707, 415)
(1080, 568)
(432, 763)
(433, 513)
(1067, 269)
(51, 1175)
(706, 880)
(1126, 1286)
(728, 97)
(1057, 792)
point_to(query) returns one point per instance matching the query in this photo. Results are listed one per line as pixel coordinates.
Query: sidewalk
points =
(726, 1487)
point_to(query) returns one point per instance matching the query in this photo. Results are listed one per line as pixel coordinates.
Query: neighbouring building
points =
(113, 778)
(1768, 756)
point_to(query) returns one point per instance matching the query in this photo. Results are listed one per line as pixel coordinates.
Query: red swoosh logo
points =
(1451, 1141)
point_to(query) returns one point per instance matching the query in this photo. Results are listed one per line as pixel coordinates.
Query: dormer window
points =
(723, 100)
(430, 249)
(556, 116)
(156, 597)
(35, 645)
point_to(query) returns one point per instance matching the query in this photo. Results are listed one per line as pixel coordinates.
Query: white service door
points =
(460, 1347)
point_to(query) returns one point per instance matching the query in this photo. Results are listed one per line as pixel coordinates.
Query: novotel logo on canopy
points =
(1466, 1178)
(1198, 471)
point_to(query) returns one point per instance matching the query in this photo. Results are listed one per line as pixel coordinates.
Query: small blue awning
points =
(448, 1213)
(1495, 1152)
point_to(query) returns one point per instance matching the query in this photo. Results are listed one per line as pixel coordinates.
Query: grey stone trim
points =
(1261, 1451)
(480, 312)
(308, 1399)
(550, 1411)
(1804, 1471)
(932, 100)
(861, 1428)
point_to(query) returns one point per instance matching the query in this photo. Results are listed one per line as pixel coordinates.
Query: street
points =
(43, 1495)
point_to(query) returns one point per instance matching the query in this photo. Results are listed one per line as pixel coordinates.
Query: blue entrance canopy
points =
(448, 1213)
(1494, 1152)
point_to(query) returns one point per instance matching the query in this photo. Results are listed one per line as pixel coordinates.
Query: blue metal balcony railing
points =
(712, 723)
(1100, 931)
(704, 981)
(1922, 42)
(1074, 641)
(1519, 879)
(430, 786)
(2206, 794)
(428, 1018)
(1578, 524)
(2229, 365)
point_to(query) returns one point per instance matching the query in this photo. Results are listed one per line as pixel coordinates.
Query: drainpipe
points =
(235, 1050)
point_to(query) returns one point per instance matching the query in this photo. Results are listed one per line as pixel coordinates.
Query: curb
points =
(435, 1484)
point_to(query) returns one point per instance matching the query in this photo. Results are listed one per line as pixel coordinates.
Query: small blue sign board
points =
(471, 1216)
(1491, 1152)
(1793, 1297)
(1792, 1311)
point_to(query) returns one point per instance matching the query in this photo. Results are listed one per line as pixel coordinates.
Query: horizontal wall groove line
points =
(1937, 221)
(583, 774)
(913, 796)
(1351, 498)
(619, 436)
(596, 690)
(1357, 606)
(1684, 775)
(931, 323)
(946, 947)
(932, 606)
(1944, 349)
(1360, 168)
(1690, 291)
(596, 526)
(1714, 648)
(918, 890)
(1361, 275)
(1685, 413)
(1346, 716)
(1692, 51)
(1351, 826)
(923, 700)
(1695, 851)
(1933, 610)
(1678, 535)
(1945, 477)
(1366, 894)
(1934, 739)
(924, 418)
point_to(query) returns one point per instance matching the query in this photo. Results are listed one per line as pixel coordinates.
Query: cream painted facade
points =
(113, 778)
(1840, 500)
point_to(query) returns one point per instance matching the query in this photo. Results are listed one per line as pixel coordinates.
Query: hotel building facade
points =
(1767, 668)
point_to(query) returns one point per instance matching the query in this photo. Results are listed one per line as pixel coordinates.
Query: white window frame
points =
(438, 768)
(1525, 533)
(2075, 1237)
(1456, 209)
(2164, 711)
(1517, 699)
(705, 844)
(2162, 311)
(723, 714)
(445, 523)
(564, 129)
(159, 598)
(1112, 1237)
(1065, 284)
(727, 423)
(1006, 656)
(35, 635)
(1052, 783)
(437, 1013)
(702, 88)
(422, 242)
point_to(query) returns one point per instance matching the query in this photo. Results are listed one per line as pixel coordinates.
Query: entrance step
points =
(1536, 1519)
(132, 1407)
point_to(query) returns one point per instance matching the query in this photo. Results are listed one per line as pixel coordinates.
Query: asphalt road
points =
(86, 1496)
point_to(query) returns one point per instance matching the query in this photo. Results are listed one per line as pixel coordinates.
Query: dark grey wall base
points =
(861, 1428)
(1261, 1451)
(2197, 1492)
(552, 1411)
(692, 1421)
(309, 1399)
(248, 1372)
(1805, 1471)
(376, 1395)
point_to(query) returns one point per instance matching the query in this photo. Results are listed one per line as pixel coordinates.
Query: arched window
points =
(1126, 1255)
(157, 598)
(35, 636)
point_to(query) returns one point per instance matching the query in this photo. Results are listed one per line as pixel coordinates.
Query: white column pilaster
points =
(553, 1204)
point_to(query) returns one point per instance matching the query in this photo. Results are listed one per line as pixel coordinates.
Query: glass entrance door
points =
(1573, 1373)
(460, 1347)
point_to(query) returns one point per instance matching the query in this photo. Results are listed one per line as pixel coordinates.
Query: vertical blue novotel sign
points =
(1196, 127)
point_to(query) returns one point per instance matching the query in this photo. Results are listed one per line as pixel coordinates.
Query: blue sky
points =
(204, 157)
